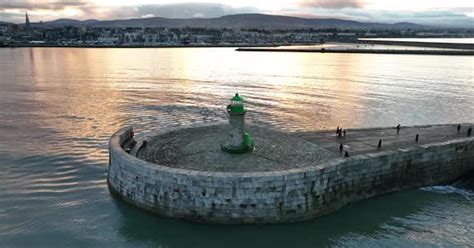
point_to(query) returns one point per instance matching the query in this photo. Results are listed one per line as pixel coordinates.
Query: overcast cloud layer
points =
(332, 4)
(436, 12)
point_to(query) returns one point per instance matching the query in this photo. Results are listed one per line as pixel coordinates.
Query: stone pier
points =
(289, 177)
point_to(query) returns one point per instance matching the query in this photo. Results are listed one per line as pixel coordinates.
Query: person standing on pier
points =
(339, 131)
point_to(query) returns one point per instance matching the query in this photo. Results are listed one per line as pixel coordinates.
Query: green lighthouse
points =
(239, 139)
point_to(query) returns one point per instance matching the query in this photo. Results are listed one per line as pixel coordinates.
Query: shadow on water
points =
(466, 182)
(363, 218)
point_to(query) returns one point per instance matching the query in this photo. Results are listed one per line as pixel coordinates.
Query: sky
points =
(428, 12)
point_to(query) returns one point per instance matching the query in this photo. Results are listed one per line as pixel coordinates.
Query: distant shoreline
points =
(366, 51)
(267, 48)
(145, 46)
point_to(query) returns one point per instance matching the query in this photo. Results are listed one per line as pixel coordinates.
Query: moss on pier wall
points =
(281, 196)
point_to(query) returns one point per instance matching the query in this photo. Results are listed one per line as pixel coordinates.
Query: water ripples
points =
(449, 189)
(57, 117)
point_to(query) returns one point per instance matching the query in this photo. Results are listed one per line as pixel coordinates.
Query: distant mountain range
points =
(234, 22)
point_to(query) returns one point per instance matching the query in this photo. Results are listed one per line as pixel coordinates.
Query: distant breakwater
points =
(366, 51)
(468, 46)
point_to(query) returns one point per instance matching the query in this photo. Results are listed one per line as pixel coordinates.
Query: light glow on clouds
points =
(264, 5)
(438, 12)
(420, 4)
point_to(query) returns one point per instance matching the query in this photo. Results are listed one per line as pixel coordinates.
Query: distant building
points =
(27, 22)
(346, 34)
(3, 29)
(108, 40)
(37, 42)
(432, 34)
(369, 34)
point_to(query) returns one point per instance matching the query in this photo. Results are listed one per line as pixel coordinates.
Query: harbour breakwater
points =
(283, 195)
(367, 51)
(469, 46)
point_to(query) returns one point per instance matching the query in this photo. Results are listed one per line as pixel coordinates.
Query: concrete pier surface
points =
(181, 172)
(365, 141)
(198, 148)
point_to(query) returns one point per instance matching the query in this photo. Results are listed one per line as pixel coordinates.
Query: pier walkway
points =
(365, 141)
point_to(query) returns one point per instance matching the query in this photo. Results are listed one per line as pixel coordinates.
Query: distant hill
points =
(235, 22)
(66, 22)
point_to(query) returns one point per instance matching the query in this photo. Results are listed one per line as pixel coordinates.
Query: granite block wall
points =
(281, 196)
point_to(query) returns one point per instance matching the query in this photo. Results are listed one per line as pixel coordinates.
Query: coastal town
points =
(37, 34)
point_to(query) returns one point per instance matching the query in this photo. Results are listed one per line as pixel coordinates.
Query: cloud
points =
(183, 10)
(189, 10)
(148, 16)
(10, 17)
(86, 9)
(332, 4)
(444, 18)
(360, 10)
(436, 18)
(41, 5)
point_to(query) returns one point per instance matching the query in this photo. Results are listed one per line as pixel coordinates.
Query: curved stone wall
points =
(282, 196)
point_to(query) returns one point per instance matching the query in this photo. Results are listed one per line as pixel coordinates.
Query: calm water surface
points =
(58, 107)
